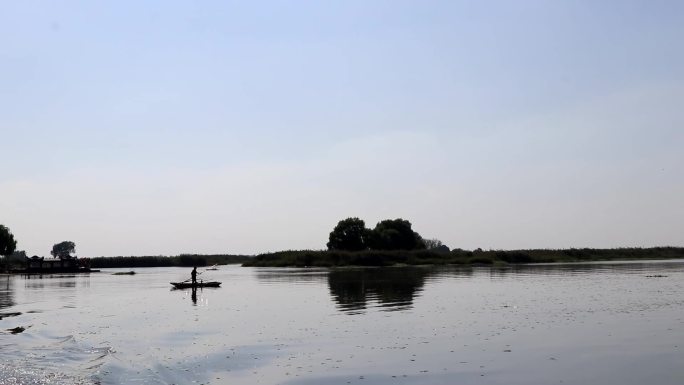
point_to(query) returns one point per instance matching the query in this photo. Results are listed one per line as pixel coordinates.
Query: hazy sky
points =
(138, 127)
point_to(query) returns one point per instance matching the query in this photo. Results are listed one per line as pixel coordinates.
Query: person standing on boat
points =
(193, 275)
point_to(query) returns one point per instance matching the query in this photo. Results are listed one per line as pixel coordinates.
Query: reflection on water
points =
(34, 281)
(194, 293)
(582, 268)
(356, 289)
(389, 288)
(6, 299)
(291, 275)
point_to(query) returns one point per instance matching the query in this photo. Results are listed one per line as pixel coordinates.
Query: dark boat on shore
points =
(189, 285)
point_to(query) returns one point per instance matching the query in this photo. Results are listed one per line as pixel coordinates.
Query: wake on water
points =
(16, 374)
(61, 362)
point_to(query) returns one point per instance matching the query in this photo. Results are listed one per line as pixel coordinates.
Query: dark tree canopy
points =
(396, 234)
(436, 245)
(350, 234)
(7, 242)
(63, 250)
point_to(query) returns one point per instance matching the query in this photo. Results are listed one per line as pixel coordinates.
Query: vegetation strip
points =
(332, 258)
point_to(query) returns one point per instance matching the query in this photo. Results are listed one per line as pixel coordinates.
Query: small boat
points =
(188, 285)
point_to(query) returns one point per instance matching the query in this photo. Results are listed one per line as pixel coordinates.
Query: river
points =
(590, 323)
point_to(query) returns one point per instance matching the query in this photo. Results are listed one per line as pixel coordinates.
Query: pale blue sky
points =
(136, 127)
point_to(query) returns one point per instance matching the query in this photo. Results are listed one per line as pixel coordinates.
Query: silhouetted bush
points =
(480, 260)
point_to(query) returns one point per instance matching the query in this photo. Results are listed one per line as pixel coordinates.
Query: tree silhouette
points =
(436, 245)
(7, 242)
(63, 250)
(396, 234)
(350, 234)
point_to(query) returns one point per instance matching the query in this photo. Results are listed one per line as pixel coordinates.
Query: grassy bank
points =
(301, 258)
(186, 260)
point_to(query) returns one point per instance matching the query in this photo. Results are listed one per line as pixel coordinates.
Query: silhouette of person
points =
(193, 275)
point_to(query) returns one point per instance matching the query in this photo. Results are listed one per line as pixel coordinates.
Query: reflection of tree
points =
(392, 288)
(348, 288)
(6, 299)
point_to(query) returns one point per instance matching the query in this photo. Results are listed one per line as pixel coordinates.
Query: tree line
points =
(390, 242)
(67, 250)
(185, 260)
(332, 258)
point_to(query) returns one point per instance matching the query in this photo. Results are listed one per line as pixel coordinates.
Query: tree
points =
(17, 257)
(63, 250)
(396, 234)
(436, 245)
(350, 234)
(7, 242)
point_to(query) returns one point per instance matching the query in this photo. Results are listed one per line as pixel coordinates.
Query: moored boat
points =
(188, 285)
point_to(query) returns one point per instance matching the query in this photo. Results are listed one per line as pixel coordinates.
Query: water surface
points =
(607, 323)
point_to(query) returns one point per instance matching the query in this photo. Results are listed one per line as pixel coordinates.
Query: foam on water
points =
(22, 372)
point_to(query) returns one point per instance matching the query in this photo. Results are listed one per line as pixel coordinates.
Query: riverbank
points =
(186, 260)
(183, 260)
(325, 258)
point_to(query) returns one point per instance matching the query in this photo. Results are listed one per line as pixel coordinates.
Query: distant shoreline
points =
(333, 258)
(312, 258)
(183, 260)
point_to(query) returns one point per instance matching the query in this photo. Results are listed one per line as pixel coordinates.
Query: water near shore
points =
(612, 323)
